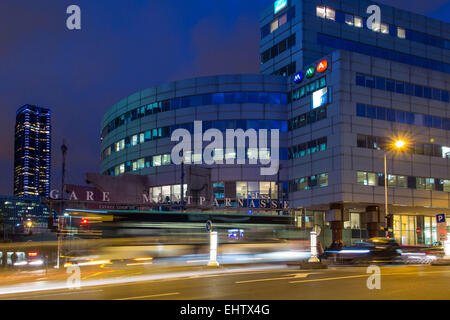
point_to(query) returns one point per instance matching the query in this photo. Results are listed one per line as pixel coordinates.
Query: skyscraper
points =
(32, 152)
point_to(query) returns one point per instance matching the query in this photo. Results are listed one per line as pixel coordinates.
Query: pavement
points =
(246, 282)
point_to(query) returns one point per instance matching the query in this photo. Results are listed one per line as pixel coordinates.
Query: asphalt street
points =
(280, 282)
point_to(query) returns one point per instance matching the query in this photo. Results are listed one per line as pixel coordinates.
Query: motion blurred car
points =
(372, 251)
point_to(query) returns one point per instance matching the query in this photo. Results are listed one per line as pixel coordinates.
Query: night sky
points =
(124, 46)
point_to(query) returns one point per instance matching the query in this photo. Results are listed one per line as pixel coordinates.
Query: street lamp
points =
(398, 144)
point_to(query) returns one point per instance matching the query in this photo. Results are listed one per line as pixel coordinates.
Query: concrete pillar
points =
(372, 220)
(336, 217)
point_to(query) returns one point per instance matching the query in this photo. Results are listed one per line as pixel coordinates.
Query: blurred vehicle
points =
(371, 251)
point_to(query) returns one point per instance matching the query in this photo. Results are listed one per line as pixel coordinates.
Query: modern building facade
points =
(137, 133)
(16, 212)
(386, 83)
(32, 154)
(341, 94)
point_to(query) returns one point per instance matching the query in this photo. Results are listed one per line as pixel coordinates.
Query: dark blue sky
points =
(124, 46)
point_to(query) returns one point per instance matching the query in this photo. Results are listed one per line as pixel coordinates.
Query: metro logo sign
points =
(322, 66)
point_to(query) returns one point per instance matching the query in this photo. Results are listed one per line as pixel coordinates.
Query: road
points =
(277, 282)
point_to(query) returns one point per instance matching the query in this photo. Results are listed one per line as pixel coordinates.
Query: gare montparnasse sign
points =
(261, 202)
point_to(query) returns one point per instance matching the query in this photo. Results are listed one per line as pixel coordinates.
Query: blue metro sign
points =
(279, 5)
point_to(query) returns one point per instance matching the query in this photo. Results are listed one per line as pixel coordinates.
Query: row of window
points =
(401, 87)
(368, 50)
(193, 101)
(399, 116)
(357, 21)
(277, 49)
(307, 118)
(287, 71)
(383, 143)
(308, 183)
(278, 22)
(397, 181)
(307, 148)
(308, 89)
(394, 31)
(190, 157)
(165, 132)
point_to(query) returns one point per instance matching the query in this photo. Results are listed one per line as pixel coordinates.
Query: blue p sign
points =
(440, 218)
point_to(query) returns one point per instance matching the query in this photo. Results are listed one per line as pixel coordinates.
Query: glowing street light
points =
(29, 224)
(399, 144)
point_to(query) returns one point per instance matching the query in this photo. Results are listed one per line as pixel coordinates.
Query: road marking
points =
(287, 277)
(328, 279)
(92, 275)
(55, 294)
(151, 296)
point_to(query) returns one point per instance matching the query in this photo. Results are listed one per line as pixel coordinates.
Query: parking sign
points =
(441, 227)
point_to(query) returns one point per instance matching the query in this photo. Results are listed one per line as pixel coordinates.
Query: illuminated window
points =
(141, 164)
(331, 14)
(376, 27)
(321, 12)
(384, 28)
(349, 19)
(134, 140)
(274, 26)
(241, 189)
(156, 161)
(401, 33)
(165, 159)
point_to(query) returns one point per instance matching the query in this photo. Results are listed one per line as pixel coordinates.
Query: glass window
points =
(360, 80)
(399, 87)
(253, 189)
(358, 22)
(273, 26)
(156, 161)
(370, 82)
(331, 14)
(362, 178)
(390, 85)
(360, 110)
(420, 183)
(418, 91)
(134, 140)
(265, 189)
(323, 180)
(349, 19)
(381, 83)
(355, 220)
(282, 20)
(402, 182)
(384, 28)
(371, 112)
(401, 33)
(392, 180)
(381, 113)
(372, 179)
(166, 159)
(320, 12)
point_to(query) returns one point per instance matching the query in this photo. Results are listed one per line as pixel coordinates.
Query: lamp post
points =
(399, 144)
